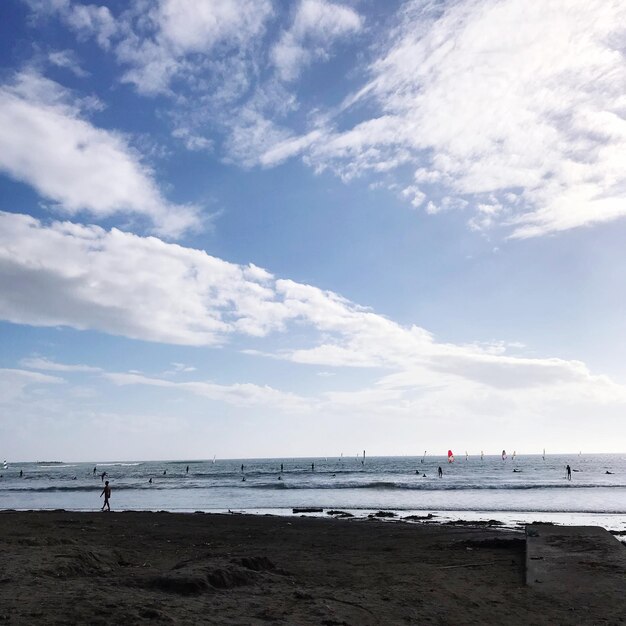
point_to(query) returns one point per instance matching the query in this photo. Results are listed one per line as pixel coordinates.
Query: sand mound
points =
(84, 563)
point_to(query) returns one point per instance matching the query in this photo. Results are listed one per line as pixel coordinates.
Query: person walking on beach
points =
(440, 472)
(106, 492)
(568, 469)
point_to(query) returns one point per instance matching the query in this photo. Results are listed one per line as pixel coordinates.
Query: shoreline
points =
(507, 520)
(160, 567)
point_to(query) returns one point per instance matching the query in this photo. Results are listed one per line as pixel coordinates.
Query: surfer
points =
(187, 470)
(103, 476)
(242, 467)
(281, 468)
(568, 469)
(106, 492)
(440, 472)
(607, 472)
(164, 472)
(94, 470)
(150, 481)
(312, 467)
(21, 473)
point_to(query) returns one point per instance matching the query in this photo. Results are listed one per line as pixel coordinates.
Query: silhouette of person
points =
(106, 492)
(150, 481)
(21, 473)
(312, 467)
(440, 472)
(164, 472)
(281, 467)
(242, 467)
(568, 469)
(103, 476)
(94, 470)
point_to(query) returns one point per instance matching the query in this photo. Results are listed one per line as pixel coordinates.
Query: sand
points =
(138, 567)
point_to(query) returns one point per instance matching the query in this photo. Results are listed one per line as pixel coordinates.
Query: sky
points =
(256, 228)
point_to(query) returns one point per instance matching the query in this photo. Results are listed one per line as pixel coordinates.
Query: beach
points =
(61, 567)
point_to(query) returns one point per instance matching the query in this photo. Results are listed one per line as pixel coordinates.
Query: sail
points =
(450, 456)
(503, 455)
(482, 455)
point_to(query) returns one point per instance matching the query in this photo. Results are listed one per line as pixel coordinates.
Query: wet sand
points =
(137, 567)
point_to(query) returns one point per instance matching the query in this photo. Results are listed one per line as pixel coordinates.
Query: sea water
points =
(521, 489)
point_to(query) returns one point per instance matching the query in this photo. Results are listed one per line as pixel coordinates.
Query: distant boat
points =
(450, 457)
(504, 455)
(214, 458)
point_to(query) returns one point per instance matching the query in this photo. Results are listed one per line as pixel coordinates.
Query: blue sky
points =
(257, 228)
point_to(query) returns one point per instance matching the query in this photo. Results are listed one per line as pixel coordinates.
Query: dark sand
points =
(130, 568)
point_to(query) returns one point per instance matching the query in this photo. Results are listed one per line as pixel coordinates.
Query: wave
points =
(279, 485)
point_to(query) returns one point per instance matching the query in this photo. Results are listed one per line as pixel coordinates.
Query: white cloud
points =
(68, 60)
(14, 383)
(157, 43)
(238, 394)
(316, 25)
(66, 274)
(524, 102)
(41, 363)
(46, 142)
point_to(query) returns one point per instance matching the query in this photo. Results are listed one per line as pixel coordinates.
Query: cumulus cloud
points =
(68, 274)
(316, 25)
(524, 103)
(47, 142)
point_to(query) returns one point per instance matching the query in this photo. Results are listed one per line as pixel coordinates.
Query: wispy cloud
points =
(68, 60)
(238, 394)
(41, 363)
(315, 27)
(15, 382)
(500, 103)
(47, 142)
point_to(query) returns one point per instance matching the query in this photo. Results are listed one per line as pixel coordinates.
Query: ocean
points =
(516, 490)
